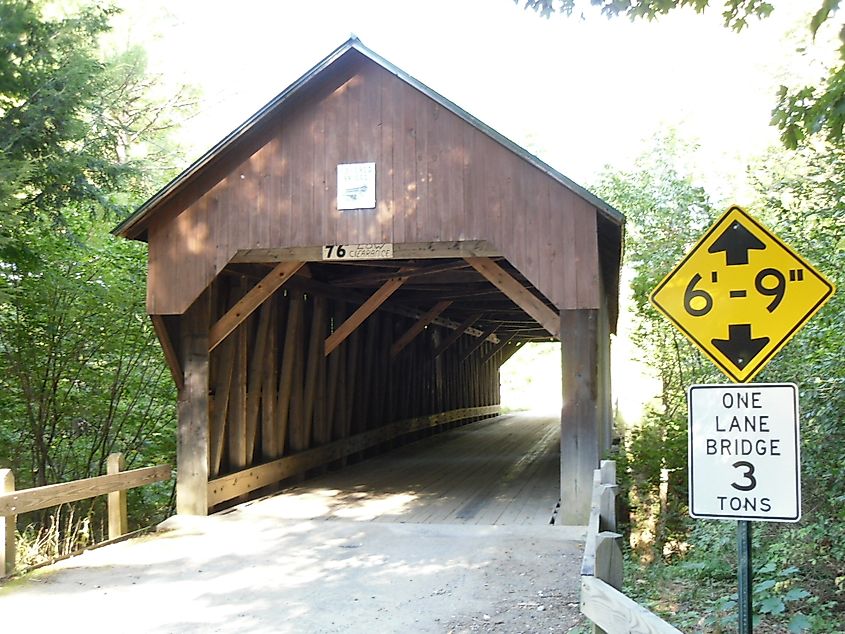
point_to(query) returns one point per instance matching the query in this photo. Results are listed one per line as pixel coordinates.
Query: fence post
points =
(7, 527)
(116, 500)
(607, 500)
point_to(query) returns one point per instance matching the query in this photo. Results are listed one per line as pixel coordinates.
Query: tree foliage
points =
(70, 120)
(736, 13)
(665, 212)
(800, 112)
(82, 140)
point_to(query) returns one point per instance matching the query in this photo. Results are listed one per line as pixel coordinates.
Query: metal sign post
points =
(745, 575)
(740, 295)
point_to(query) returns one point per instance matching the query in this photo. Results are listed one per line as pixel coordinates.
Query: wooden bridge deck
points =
(503, 470)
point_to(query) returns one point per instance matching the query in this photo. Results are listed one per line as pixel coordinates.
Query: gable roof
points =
(134, 226)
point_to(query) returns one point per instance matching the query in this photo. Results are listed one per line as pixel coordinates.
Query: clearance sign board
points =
(740, 294)
(744, 452)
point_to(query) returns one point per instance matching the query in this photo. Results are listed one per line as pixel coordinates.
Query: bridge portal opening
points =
(531, 380)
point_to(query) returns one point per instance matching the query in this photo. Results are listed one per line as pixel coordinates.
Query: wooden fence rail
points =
(114, 484)
(602, 600)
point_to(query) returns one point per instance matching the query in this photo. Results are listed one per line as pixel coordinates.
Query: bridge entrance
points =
(348, 271)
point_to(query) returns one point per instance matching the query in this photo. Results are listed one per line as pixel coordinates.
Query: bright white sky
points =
(579, 93)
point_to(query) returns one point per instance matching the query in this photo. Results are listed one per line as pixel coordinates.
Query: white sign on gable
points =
(744, 453)
(356, 186)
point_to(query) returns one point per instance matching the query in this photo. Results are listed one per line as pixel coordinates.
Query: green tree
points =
(70, 121)
(800, 112)
(666, 212)
(82, 140)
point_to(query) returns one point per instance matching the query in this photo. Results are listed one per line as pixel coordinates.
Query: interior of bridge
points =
(294, 380)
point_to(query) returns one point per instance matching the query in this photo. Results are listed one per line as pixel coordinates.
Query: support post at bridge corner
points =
(7, 527)
(579, 421)
(192, 437)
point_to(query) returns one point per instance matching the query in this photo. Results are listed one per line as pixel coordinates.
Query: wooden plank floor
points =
(503, 470)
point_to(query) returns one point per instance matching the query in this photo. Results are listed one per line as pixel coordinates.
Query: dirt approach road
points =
(224, 574)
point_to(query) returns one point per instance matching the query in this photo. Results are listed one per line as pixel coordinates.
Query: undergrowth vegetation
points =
(686, 569)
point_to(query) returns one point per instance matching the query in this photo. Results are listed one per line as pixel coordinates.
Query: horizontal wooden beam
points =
(381, 276)
(256, 296)
(456, 334)
(242, 482)
(481, 341)
(522, 297)
(418, 327)
(170, 355)
(27, 500)
(360, 315)
(401, 251)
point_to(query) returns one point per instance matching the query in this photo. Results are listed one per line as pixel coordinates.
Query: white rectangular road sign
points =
(744, 452)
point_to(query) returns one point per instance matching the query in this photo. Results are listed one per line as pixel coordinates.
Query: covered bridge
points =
(352, 265)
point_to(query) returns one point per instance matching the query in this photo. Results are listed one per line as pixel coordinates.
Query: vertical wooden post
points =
(296, 418)
(269, 393)
(605, 404)
(292, 335)
(321, 432)
(352, 369)
(336, 360)
(192, 437)
(7, 527)
(315, 360)
(579, 437)
(236, 427)
(118, 522)
(255, 380)
(224, 361)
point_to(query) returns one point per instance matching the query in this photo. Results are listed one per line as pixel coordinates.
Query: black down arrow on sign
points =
(736, 241)
(740, 347)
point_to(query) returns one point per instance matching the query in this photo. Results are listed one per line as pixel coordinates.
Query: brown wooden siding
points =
(438, 179)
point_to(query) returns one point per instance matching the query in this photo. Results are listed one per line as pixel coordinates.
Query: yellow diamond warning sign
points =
(740, 294)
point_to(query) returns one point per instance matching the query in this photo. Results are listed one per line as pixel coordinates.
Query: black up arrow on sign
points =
(740, 294)
(736, 241)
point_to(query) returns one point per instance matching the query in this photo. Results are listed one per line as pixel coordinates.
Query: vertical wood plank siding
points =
(437, 179)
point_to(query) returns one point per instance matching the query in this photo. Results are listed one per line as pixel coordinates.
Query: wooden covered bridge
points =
(352, 266)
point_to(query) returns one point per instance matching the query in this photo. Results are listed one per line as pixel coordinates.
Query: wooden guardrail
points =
(114, 484)
(602, 599)
(236, 484)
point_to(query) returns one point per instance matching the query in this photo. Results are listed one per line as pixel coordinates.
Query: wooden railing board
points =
(114, 484)
(615, 613)
(27, 500)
